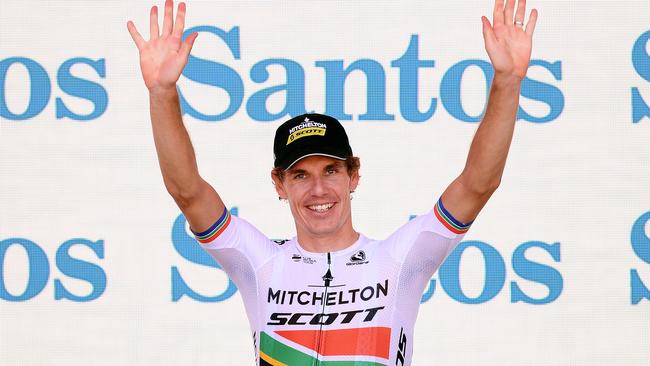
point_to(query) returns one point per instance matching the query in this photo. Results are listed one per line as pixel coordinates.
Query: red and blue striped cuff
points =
(449, 221)
(215, 230)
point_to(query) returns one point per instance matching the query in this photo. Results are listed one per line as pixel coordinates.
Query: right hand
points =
(164, 56)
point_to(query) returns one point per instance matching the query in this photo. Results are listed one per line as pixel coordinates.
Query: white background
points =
(581, 180)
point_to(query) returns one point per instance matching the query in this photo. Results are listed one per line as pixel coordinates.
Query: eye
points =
(299, 176)
(331, 170)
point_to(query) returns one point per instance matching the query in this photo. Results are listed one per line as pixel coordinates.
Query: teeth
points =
(321, 208)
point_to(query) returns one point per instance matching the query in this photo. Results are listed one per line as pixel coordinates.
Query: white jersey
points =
(355, 307)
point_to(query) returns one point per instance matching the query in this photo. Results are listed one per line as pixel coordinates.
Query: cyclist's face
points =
(318, 190)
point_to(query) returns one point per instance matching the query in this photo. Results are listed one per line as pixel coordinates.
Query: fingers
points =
(186, 47)
(167, 21)
(509, 12)
(505, 14)
(137, 38)
(153, 23)
(497, 15)
(532, 20)
(179, 25)
(521, 12)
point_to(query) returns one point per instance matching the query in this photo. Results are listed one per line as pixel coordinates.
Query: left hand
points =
(507, 42)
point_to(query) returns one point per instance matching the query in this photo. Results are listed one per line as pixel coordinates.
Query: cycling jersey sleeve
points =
(241, 250)
(443, 233)
(232, 232)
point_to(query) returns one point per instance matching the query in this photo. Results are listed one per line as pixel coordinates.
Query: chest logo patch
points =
(299, 258)
(357, 258)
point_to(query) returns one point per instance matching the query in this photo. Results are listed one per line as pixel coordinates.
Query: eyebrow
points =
(294, 171)
(336, 164)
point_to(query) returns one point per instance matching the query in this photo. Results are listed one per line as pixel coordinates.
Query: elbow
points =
(183, 196)
(491, 187)
(481, 187)
(485, 190)
(181, 201)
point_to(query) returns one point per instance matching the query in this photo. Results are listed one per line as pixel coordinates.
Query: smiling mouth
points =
(322, 207)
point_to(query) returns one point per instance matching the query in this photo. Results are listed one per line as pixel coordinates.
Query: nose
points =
(318, 187)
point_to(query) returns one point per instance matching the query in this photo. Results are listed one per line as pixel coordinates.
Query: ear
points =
(354, 179)
(279, 185)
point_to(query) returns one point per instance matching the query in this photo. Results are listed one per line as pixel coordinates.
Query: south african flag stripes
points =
(449, 221)
(215, 230)
(337, 347)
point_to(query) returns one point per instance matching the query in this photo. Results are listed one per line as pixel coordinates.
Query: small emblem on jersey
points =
(307, 260)
(280, 241)
(357, 258)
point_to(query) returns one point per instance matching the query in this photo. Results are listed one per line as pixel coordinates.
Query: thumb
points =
(186, 47)
(488, 33)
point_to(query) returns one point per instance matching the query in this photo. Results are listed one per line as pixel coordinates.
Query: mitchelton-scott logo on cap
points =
(306, 128)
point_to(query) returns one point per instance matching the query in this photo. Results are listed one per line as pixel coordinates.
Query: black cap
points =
(310, 134)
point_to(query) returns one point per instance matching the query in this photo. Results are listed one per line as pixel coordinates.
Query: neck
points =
(328, 243)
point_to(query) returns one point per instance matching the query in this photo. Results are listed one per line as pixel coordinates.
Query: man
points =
(331, 295)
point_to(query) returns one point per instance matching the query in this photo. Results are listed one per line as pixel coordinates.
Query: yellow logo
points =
(311, 131)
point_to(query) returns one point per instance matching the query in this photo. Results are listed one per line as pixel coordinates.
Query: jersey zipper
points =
(327, 279)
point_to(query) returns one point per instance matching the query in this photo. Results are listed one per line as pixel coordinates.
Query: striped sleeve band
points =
(215, 230)
(449, 221)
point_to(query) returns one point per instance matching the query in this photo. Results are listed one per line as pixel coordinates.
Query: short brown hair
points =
(352, 163)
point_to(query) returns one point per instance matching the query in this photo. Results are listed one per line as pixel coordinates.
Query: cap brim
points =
(314, 154)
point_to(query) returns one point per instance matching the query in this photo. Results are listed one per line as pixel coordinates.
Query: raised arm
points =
(508, 45)
(162, 60)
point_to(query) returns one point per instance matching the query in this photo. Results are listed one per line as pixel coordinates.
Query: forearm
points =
(489, 149)
(509, 45)
(173, 146)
